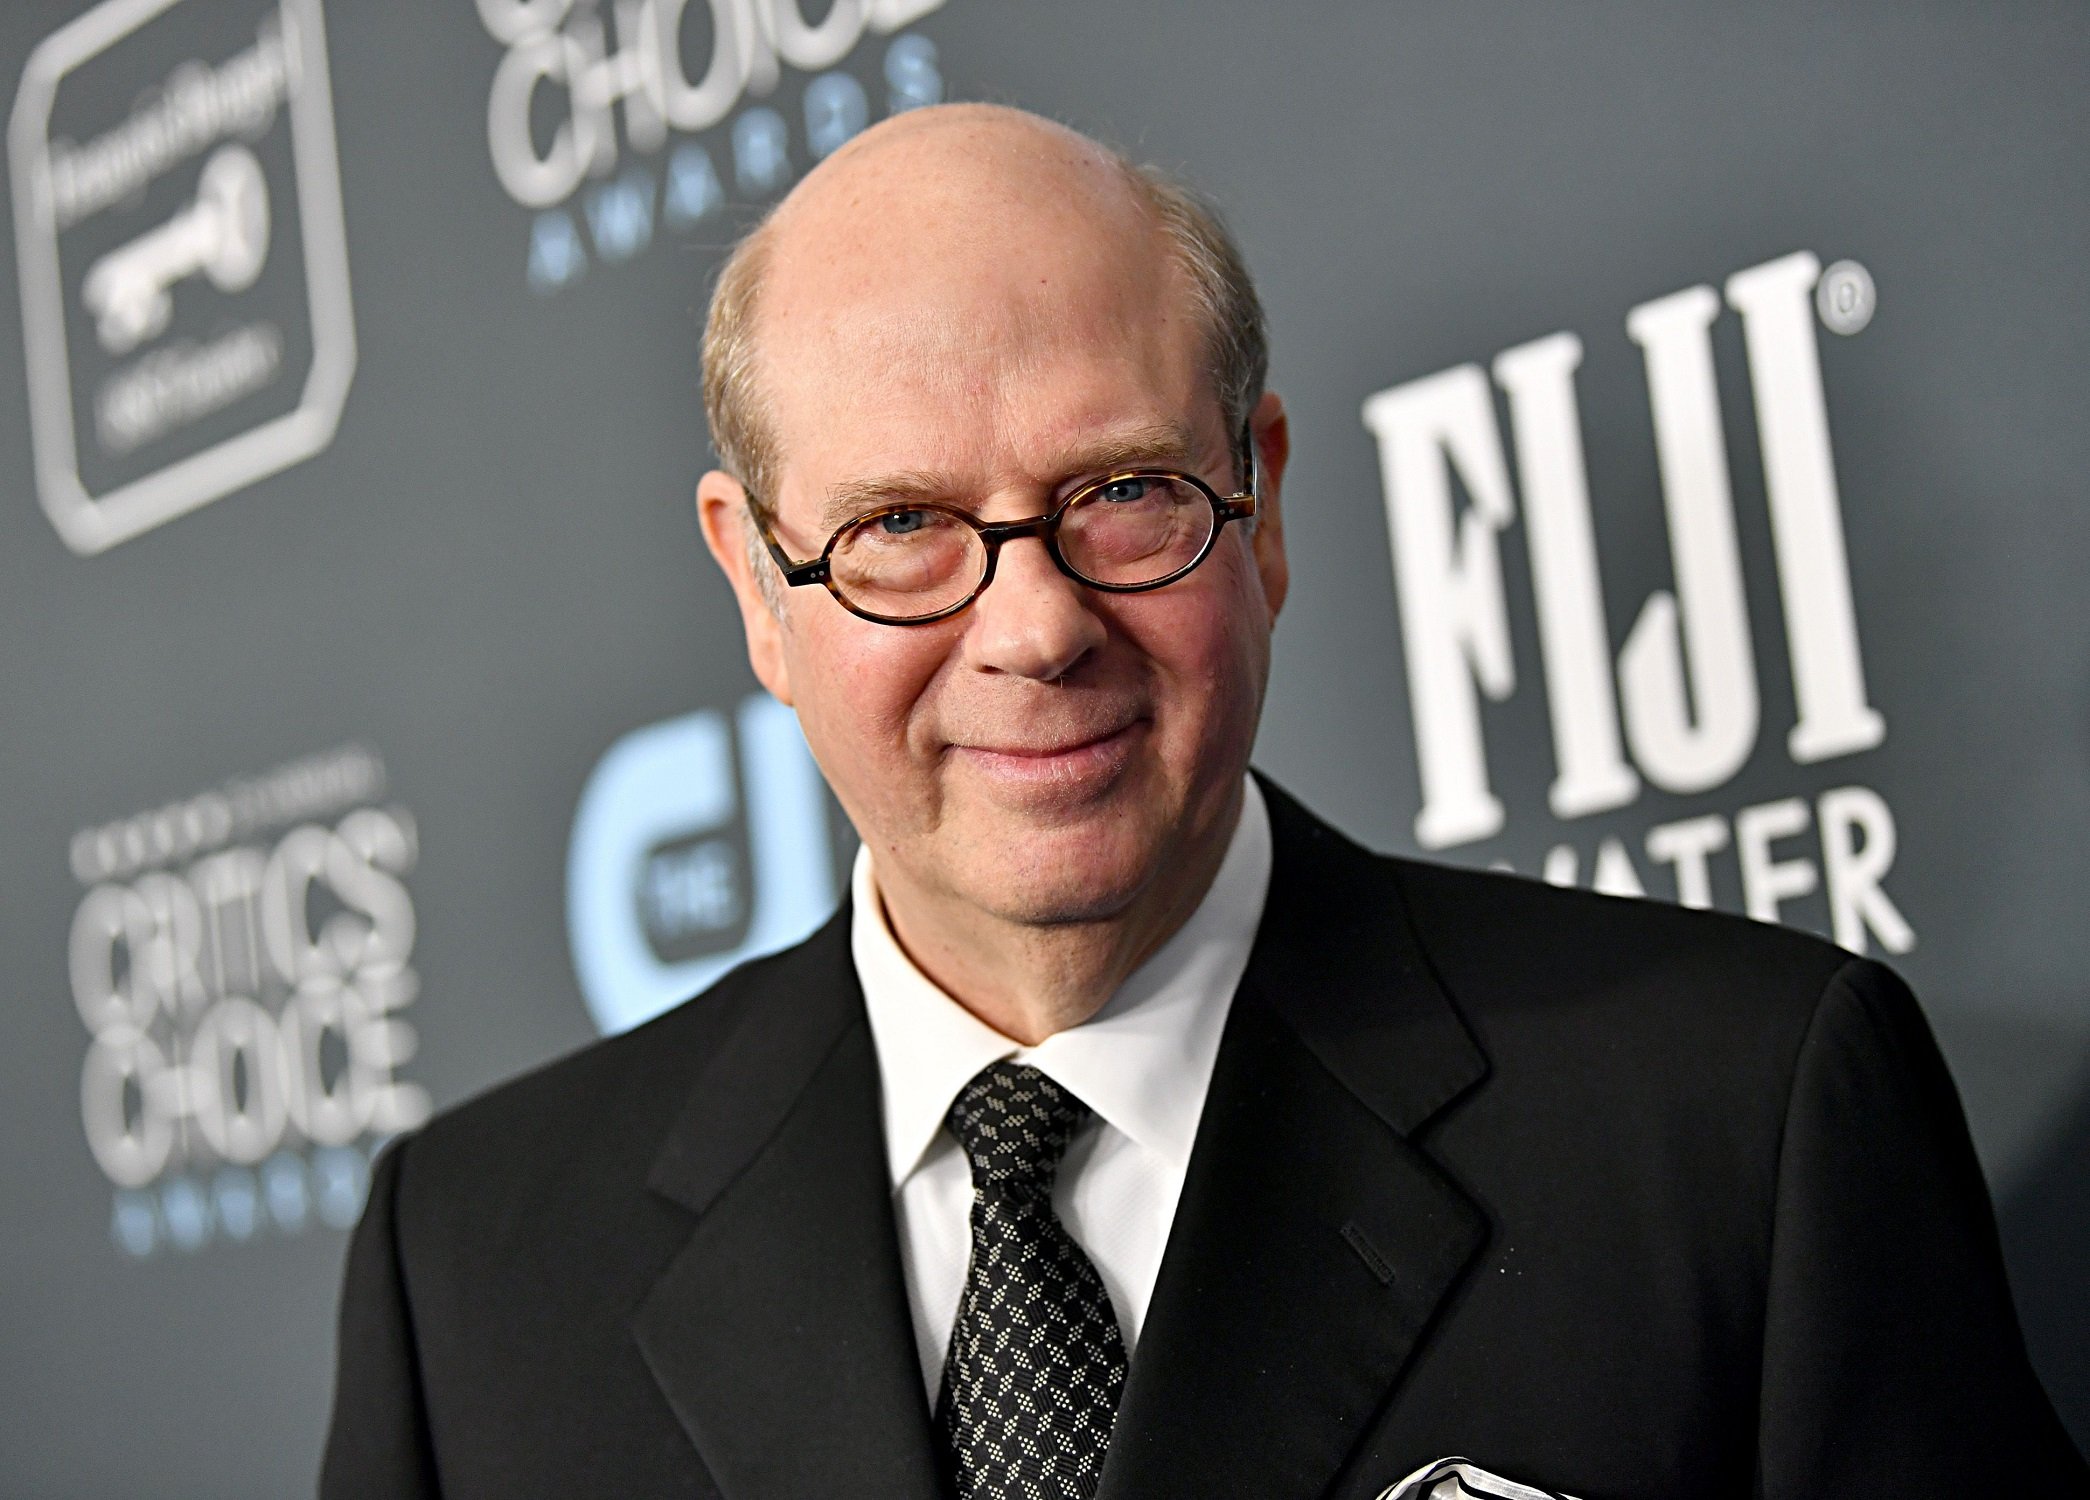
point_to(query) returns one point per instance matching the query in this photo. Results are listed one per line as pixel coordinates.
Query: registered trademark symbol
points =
(1845, 297)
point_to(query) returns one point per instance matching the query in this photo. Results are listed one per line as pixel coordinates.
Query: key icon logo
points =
(159, 151)
(224, 235)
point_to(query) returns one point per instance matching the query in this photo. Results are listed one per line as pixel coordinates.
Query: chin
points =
(1062, 876)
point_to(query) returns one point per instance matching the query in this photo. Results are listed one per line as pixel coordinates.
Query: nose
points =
(1033, 620)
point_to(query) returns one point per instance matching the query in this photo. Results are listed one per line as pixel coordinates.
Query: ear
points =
(722, 515)
(1272, 435)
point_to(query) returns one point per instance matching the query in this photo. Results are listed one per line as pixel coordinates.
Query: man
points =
(1129, 1132)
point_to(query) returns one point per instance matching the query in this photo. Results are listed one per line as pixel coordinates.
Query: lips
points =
(1069, 745)
(1084, 761)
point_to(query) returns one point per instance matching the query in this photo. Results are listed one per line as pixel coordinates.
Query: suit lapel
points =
(1315, 1241)
(780, 1334)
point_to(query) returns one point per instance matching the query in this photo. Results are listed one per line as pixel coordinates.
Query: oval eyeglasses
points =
(914, 562)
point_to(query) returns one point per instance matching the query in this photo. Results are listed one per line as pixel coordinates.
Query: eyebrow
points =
(1155, 443)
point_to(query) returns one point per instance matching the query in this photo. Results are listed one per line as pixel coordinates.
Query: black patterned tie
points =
(1036, 1364)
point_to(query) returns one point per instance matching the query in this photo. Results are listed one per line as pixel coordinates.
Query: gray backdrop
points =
(375, 727)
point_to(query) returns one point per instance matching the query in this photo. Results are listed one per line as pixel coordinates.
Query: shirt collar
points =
(1142, 1062)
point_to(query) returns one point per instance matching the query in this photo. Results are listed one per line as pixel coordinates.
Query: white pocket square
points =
(1456, 1479)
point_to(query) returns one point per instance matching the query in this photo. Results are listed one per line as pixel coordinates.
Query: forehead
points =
(972, 338)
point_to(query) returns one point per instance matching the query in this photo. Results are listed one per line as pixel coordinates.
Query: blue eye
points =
(903, 522)
(1119, 491)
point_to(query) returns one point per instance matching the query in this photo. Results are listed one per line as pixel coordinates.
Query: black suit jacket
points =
(1613, 1198)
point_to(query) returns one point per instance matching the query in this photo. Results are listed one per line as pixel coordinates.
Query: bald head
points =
(953, 224)
(970, 161)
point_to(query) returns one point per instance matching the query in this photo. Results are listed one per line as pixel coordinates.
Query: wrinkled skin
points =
(971, 305)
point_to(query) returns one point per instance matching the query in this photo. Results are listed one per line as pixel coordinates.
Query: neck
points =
(1030, 980)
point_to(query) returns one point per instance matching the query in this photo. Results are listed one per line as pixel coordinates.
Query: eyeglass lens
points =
(1136, 529)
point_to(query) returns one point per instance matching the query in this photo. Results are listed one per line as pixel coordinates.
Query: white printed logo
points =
(573, 68)
(185, 300)
(242, 960)
(1681, 706)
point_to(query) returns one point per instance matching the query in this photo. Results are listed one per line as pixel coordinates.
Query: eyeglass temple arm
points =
(1242, 506)
(795, 574)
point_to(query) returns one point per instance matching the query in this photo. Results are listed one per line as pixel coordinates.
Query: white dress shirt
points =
(1142, 1064)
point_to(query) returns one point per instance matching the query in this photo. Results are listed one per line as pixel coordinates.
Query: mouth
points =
(1071, 764)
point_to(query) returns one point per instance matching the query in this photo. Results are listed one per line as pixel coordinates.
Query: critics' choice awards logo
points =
(241, 961)
(718, 101)
(698, 843)
(1679, 707)
(185, 304)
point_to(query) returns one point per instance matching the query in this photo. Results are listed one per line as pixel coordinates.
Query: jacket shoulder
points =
(586, 1126)
(1486, 923)
(1654, 1018)
(1585, 1007)
(1504, 945)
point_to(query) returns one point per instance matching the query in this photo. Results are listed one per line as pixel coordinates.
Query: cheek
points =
(1212, 648)
(858, 686)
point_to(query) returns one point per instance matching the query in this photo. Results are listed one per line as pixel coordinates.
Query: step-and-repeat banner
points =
(1686, 503)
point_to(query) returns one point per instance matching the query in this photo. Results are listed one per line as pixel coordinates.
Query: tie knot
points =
(1014, 1124)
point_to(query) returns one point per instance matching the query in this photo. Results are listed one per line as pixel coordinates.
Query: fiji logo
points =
(1680, 705)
